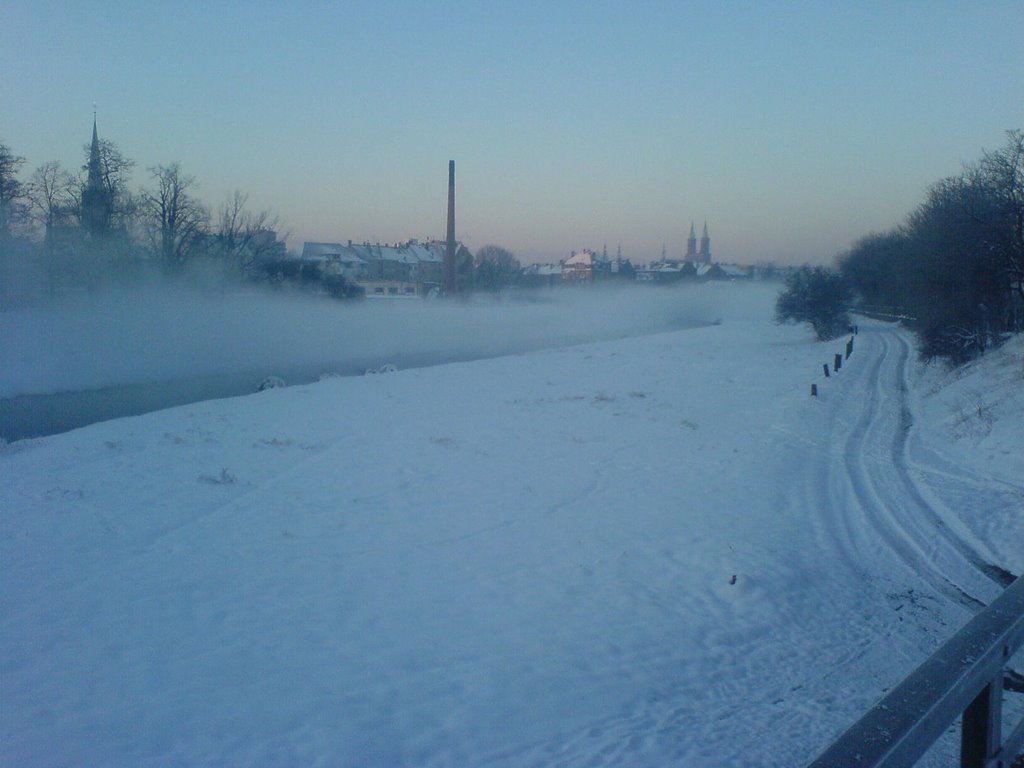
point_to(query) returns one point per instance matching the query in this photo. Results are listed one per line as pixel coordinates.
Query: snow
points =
(975, 417)
(637, 551)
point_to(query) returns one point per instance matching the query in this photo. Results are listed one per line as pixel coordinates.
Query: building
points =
(97, 199)
(585, 266)
(703, 256)
(667, 271)
(333, 259)
(409, 268)
(542, 275)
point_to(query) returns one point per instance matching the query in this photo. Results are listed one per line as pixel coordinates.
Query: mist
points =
(157, 347)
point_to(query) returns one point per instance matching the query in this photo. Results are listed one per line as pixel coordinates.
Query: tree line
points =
(953, 271)
(90, 226)
(64, 230)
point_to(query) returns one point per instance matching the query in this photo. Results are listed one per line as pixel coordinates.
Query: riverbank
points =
(642, 551)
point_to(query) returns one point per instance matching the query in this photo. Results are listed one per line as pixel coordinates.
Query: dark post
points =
(838, 363)
(849, 348)
(982, 725)
(814, 390)
(450, 285)
(825, 366)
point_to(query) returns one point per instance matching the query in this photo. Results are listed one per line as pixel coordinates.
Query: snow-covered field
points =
(646, 551)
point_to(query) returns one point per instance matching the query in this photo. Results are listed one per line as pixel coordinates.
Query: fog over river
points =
(94, 357)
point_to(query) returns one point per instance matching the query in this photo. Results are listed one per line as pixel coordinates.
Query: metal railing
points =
(965, 676)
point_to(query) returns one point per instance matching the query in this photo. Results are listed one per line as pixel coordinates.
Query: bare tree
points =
(12, 191)
(496, 268)
(1001, 173)
(955, 270)
(52, 196)
(175, 219)
(246, 239)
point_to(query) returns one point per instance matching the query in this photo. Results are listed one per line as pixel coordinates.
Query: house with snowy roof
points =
(410, 268)
(333, 259)
(585, 266)
(542, 275)
(667, 271)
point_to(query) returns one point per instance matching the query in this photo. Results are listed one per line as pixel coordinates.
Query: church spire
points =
(691, 245)
(96, 199)
(705, 245)
(95, 179)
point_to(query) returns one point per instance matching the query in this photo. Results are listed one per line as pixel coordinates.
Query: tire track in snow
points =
(874, 458)
(994, 573)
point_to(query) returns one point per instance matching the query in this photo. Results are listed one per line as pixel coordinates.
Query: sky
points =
(791, 128)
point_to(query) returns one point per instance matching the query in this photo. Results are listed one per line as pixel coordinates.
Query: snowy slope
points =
(636, 552)
(970, 446)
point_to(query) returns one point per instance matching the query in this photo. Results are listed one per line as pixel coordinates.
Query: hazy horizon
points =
(792, 129)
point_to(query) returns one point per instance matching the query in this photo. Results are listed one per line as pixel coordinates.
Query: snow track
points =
(881, 481)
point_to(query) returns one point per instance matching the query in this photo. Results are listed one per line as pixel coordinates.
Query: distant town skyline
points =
(791, 128)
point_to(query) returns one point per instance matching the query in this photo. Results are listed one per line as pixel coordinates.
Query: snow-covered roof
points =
(326, 252)
(543, 270)
(582, 259)
(412, 252)
(423, 252)
(321, 249)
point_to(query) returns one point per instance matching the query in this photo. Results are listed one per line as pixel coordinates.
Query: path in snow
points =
(873, 472)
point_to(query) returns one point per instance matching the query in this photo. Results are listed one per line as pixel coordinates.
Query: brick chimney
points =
(450, 285)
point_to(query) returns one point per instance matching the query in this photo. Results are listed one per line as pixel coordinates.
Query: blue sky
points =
(793, 128)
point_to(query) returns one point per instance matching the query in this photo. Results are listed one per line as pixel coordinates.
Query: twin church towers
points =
(703, 256)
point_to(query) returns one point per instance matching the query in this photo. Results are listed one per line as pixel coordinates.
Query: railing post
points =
(981, 736)
(962, 680)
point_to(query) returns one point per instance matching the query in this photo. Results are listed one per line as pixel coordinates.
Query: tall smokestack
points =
(450, 285)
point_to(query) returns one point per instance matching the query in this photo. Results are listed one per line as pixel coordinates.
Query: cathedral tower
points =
(705, 245)
(691, 245)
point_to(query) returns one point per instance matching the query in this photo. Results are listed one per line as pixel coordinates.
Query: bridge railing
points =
(963, 677)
